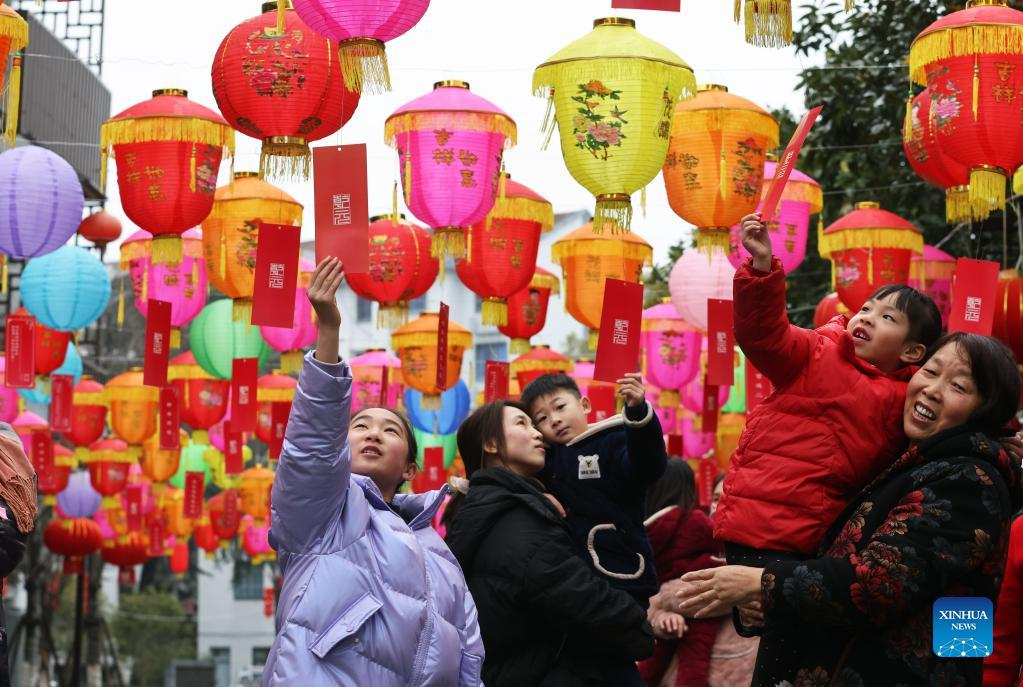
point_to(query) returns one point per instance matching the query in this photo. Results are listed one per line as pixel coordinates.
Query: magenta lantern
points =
(8, 397)
(932, 273)
(26, 423)
(692, 395)
(290, 341)
(695, 444)
(368, 376)
(450, 143)
(697, 277)
(183, 285)
(671, 351)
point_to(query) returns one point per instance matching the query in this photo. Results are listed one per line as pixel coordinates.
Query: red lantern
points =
(88, 416)
(168, 152)
(50, 346)
(179, 558)
(401, 268)
(205, 538)
(54, 478)
(502, 248)
(203, 398)
(527, 310)
(225, 518)
(540, 361)
(270, 389)
(109, 461)
(868, 248)
(1008, 327)
(126, 552)
(931, 163)
(285, 90)
(101, 228)
(829, 308)
(972, 61)
(73, 538)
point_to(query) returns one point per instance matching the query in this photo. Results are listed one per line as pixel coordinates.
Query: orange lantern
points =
(133, 408)
(160, 464)
(416, 345)
(126, 552)
(272, 388)
(254, 490)
(174, 513)
(586, 259)
(539, 361)
(527, 310)
(88, 416)
(231, 231)
(108, 465)
(73, 538)
(714, 170)
(868, 248)
(203, 397)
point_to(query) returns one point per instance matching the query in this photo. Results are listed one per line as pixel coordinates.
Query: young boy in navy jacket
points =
(600, 474)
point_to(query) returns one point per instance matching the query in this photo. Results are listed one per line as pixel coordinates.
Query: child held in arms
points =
(600, 474)
(834, 421)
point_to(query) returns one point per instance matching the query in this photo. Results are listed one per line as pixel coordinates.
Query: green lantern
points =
(425, 440)
(737, 397)
(217, 339)
(193, 459)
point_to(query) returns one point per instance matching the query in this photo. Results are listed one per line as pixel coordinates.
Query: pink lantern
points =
(136, 251)
(932, 273)
(182, 285)
(692, 395)
(256, 540)
(8, 397)
(367, 379)
(697, 277)
(582, 373)
(450, 143)
(26, 423)
(136, 478)
(671, 352)
(695, 444)
(361, 29)
(290, 341)
(217, 432)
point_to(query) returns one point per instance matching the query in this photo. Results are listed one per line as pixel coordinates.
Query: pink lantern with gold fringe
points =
(671, 351)
(183, 284)
(368, 380)
(450, 143)
(697, 277)
(932, 274)
(290, 341)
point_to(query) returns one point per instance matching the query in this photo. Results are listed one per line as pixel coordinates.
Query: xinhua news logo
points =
(963, 627)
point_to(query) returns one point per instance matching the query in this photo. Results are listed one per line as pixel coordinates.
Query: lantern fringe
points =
(907, 128)
(16, 30)
(120, 304)
(749, 122)
(963, 41)
(547, 126)
(461, 120)
(187, 372)
(50, 500)
(175, 338)
(712, 240)
(958, 207)
(456, 339)
(392, 315)
(13, 102)
(524, 209)
(167, 250)
(987, 188)
(364, 65)
(80, 456)
(495, 312)
(679, 79)
(88, 398)
(642, 201)
(134, 250)
(113, 394)
(527, 365)
(546, 281)
(108, 456)
(614, 214)
(768, 23)
(869, 238)
(279, 210)
(241, 310)
(165, 128)
(291, 361)
(274, 394)
(928, 270)
(670, 398)
(431, 402)
(850, 5)
(520, 346)
(4, 277)
(448, 241)
(626, 250)
(286, 161)
(591, 340)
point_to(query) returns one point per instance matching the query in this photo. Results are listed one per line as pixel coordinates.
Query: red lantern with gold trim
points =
(55, 479)
(168, 151)
(527, 310)
(282, 87)
(73, 538)
(272, 388)
(502, 248)
(88, 416)
(539, 361)
(160, 464)
(203, 397)
(108, 465)
(224, 521)
(401, 268)
(126, 552)
(49, 344)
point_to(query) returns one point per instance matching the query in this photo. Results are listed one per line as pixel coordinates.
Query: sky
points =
(494, 45)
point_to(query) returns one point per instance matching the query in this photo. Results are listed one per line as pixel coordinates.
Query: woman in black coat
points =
(546, 619)
(934, 524)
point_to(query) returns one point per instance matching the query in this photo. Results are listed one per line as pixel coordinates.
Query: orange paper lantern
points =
(416, 345)
(254, 491)
(133, 408)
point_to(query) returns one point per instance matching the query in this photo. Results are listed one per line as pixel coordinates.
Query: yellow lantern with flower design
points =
(613, 93)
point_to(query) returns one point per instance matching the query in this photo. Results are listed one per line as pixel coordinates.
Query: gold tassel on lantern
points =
(394, 205)
(907, 130)
(191, 171)
(13, 101)
(167, 249)
(447, 241)
(495, 312)
(591, 341)
(241, 310)
(987, 188)
(723, 175)
(3, 274)
(614, 212)
(976, 88)
(520, 346)
(364, 65)
(285, 157)
(291, 361)
(392, 316)
(957, 205)
(547, 128)
(768, 23)
(120, 305)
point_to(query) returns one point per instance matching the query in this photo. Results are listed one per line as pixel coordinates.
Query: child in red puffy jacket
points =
(834, 420)
(1002, 668)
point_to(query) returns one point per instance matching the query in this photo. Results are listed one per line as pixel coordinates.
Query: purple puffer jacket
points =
(368, 600)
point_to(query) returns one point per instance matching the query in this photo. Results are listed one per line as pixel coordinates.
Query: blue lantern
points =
(454, 407)
(67, 289)
(72, 365)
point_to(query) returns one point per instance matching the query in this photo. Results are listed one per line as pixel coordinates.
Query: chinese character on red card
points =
(710, 408)
(194, 485)
(721, 342)
(786, 163)
(233, 457)
(758, 387)
(61, 397)
(496, 388)
(244, 373)
(442, 347)
(618, 344)
(342, 207)
(20, 362)
(708, 473)
(170, 418)
(276, 276)
(133, 506)
(158, 327)
(973, 296)
(433, 468)
(602, 402)
(279, 412)
(42, 447)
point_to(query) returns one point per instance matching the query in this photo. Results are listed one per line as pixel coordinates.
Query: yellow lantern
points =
(231, 231)
(173, 505)
(416, 345)
(133, 409)
(714, 171)
(254, 487)
(613, 92)
(587, 258)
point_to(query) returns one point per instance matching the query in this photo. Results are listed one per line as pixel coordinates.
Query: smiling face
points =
(879, 331)
(560, 416)
(941, 395)
(524, 449)
(380, 449)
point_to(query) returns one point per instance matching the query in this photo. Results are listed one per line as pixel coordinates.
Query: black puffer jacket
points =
(546, 618)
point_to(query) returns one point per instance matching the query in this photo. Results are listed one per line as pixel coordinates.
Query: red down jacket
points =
(833, 423)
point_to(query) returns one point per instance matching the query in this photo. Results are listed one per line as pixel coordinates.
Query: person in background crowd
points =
(18, 483)
(1002, 667)
(933, 524)
(719, 489)
(371, 594)
(547, 619)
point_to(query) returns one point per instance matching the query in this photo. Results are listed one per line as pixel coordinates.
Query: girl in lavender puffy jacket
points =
(371, 595)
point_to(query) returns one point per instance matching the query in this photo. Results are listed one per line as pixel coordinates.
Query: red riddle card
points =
(158, 326)
(602, 402)
(618, 344)
(61, 396)
(20, 362)
(42, 449)
(710, 408)
(661, 5)
(497, 374)
(385, 381)
(442, 346)
(244, 373)
(675, 446)
(170, 418)
(721, 356)
(279, 412)
(276, 277)
(194, 485)
(342, 207)
(433, 468)
(974, 286)
(708, 471)
(233, 457)
(133, 506)
(786, 163)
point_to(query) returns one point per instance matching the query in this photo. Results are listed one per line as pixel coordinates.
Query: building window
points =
(485, 352)
(221, 666)
(363, 310)
(479, 304)
(417, 306)
(248, 582)
(259, 655)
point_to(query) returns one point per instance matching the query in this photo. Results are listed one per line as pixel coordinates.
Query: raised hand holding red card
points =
(618, 343)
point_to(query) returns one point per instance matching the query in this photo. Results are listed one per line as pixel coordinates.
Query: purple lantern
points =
(671, 351)
(42, 200)
(79, 499)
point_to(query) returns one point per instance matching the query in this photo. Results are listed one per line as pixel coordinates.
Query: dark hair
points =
(994, 371)
(545, 385)
(922, 313)
(486, 423)
(719, 479)
(676, 487)
(406, 425)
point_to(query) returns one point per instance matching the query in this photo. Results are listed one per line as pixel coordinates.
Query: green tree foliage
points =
(152, 628)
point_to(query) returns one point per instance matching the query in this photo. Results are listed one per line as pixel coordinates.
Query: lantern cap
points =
(388, 216)
(271, 6)
(244, 175)
(868, 205)
(664, 317)
(451, 83)
(542, 358)
(170, 91)
(423, 332)
(584, 242)
(614, 21)
(714, 109)
(247, 196)
(704, 87)
(988, 27)
(542, 279)
(14, 27)
(451, 109)
(519, 202)
(870, 227)
(168, 116)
